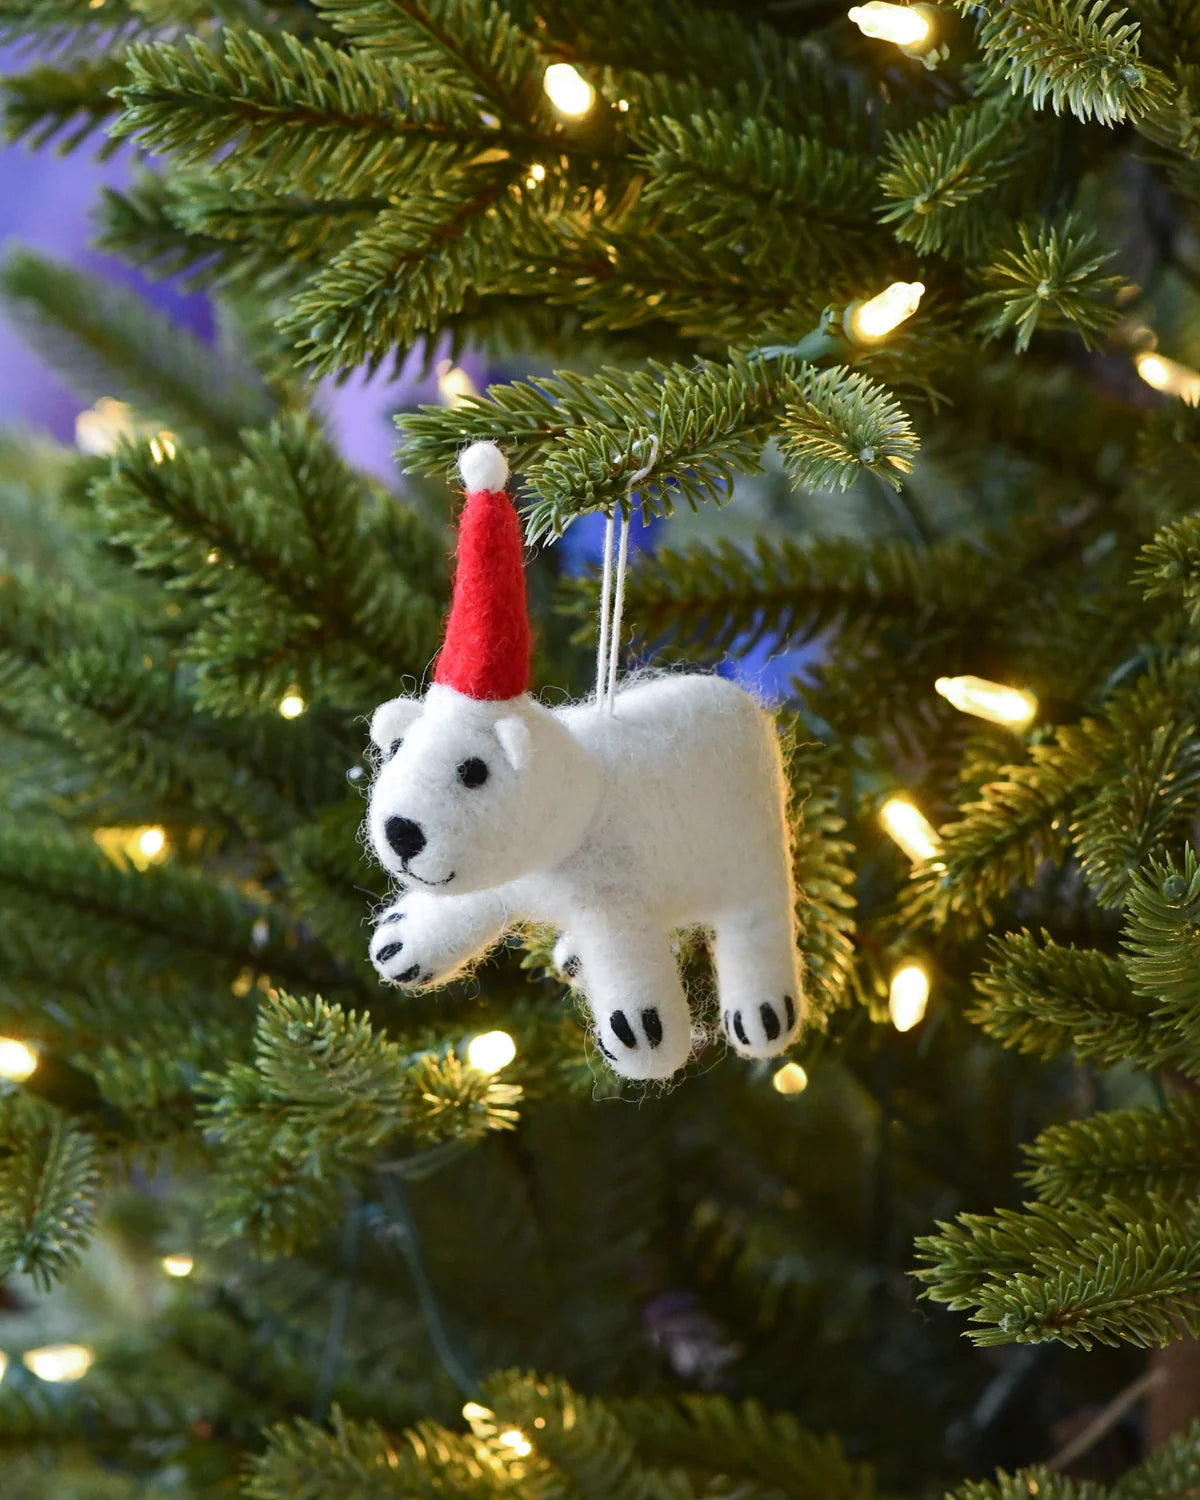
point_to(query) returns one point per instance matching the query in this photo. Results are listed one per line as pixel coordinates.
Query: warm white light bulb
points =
(908, 996)
(59, 1363)
(454, 384)
(292, 705)
(877, 318)
(517, 1441)
(151, 842)
(17, 1061)
(989, 700)
(490, 1051)
(900, 24)
(790, 1079)
(1170, 377)
(568, 90)
(178, 1265)
(3, 1364)
(99, 430)
(476, 1413)
(911, 829)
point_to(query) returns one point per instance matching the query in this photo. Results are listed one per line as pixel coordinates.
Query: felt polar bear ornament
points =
(616, 826)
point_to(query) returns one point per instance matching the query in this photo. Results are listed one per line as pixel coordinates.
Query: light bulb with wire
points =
(1169, 376)
(59, 1364)
(789, 1079)
(910, 828)
(18, 1061)
(568, 90)
(490, 1051)
(908, 996)
(904, 25)
(1012, 707)
(868, 322)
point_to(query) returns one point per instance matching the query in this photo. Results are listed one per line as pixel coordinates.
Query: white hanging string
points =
(608, 652)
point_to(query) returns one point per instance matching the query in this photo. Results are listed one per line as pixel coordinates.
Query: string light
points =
(100, 430)
(517, 1441)
(910, 828)
(908, 996)
(790, 1079)
(152, 842)
(140, 847)
(993, 701)
(178, 1265)
(17, 1060)
(568, 90)
(868, 322)
(454, 384)
(907, 26)
(292, 705)
(1169, 376)
(3, 1363)
(490, 1051)
(476, 1413)
(59, 1363)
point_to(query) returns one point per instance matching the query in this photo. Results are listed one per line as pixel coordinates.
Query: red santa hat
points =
(486, 650)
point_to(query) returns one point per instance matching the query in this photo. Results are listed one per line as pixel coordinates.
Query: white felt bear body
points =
(615, 828)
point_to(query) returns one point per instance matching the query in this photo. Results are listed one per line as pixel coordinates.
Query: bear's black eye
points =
(473, 772)
(394, 746)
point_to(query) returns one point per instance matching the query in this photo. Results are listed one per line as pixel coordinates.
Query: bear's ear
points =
(513, 734)
(390, 720)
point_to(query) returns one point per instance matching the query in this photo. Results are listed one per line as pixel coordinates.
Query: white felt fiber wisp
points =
(616, 828)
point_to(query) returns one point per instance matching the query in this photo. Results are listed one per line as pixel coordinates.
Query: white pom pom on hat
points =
(482, 467)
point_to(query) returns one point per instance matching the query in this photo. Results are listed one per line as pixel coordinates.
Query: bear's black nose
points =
(404, 836)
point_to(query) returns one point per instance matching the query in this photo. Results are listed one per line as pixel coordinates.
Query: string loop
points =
(612, 600)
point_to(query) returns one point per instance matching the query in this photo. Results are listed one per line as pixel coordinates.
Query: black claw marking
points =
(652, 1026)
(739, 1030)
(789, 1006)
(388, 951)
(392, 916)
(612, 1057)
(571, 966)
(622, 1029)
(409, 975)
(770, 1021)
(427, 976)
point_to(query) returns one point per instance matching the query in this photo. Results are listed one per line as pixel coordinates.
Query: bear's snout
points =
(405, 837)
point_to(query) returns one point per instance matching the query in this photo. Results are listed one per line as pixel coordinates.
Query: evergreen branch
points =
(1162, 942)
(1077, 55)
(844, 424)
(1037, 1480)
(1172, 1472)
(303, 577)
(943, 176)
(711, 1434)
(360, 1461)
(109, 343)
(581, 1437)
(49, 1184)
(1151, 790)
(1169, 566)
(296, 118)
(1126, 1154)
(824, 875)
(45, 100)
(1052, 280)
(721, 171)
(479, 43)
(325, 1098)
(406, 271)
(77, 23)
(580, 439)
(1047, 999)
(1080, 1276)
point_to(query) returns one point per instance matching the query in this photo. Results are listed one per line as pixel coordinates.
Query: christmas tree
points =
(888, 326)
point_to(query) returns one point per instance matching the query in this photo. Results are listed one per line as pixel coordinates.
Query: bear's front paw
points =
(762, 1030)
(395, 949)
